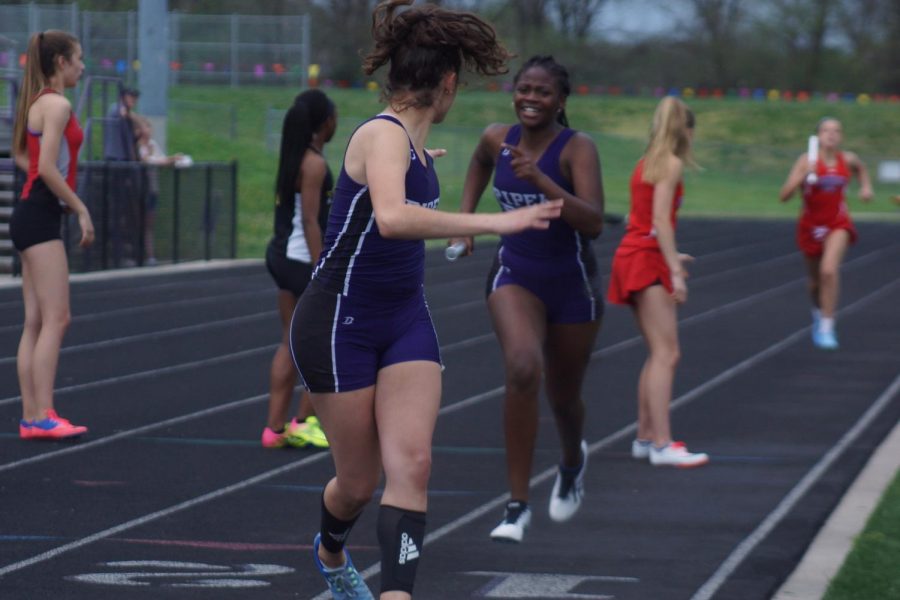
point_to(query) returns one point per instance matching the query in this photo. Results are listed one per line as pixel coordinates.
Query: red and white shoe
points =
(675, 454)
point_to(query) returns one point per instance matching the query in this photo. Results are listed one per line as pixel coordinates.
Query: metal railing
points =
(194, 217)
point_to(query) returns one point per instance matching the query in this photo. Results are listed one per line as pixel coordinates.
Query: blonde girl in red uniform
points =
(46, 139)
(648, 273)
(825, 230)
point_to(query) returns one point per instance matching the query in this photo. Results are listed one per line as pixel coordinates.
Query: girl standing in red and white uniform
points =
(825, 230)
(46, 139)
(648, 273)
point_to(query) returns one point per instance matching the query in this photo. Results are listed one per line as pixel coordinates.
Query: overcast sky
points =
(621, 20)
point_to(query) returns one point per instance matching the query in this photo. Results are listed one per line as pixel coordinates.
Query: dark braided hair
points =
(560, 75)
(424, 43)
(310, 110)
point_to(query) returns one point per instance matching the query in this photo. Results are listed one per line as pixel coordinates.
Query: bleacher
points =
(7, 180)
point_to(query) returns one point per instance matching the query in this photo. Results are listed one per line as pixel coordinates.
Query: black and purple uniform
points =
(557, 264)
(288, 258)
(365, 308)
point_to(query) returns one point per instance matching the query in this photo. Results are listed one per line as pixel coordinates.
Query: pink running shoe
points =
(53, 427)
(270, 439)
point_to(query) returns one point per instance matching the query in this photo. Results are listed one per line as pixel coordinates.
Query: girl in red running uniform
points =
(825, 230)
(46, 139)
(648, 273)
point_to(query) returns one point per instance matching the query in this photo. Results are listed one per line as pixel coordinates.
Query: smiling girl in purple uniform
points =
(362, 336)
(543, 290)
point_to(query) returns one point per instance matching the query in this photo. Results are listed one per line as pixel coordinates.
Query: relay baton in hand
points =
(812, 154)
(455, 251)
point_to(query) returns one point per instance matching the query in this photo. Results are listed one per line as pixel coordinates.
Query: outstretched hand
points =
(536, 216)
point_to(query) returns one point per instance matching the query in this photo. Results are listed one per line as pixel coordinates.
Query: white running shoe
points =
(516, 520)
(675, 454)
(568, 491)
(825, 340)
(640, 449)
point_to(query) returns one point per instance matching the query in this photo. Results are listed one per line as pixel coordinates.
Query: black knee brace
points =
(334, 531)
(401, 535)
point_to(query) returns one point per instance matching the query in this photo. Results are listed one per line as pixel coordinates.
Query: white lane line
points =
(158, 334)
(79, 296)
(628, 430)
(166, 305)
(186, 366)
(100, 535)
(493, 393)
(430, 538)
(133, 432)
(446, 348)
(743, 550)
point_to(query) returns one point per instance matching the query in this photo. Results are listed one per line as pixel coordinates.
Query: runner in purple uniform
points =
(361, 335)
(544, 290)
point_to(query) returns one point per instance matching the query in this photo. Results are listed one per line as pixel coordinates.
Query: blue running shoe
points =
(825, 340)
(344, 582)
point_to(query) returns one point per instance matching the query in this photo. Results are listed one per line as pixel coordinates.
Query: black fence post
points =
(104, 225)
(18, 183)
(176, 185)
(207, 216)
(143, 185)
(234, 207)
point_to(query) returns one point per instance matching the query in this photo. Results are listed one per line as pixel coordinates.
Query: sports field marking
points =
(185, 366)
(432, 537)
(131, 433)
(472, 400)
(450, 347)
(106, 533)
(158, 334)
(743, 550)
(166, 305)
(142, 290)
(682, 400)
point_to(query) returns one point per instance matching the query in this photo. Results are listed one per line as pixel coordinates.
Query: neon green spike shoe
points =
(307, 433)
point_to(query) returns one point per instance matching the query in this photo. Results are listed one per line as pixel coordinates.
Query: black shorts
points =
(36, 219)
(289, 275)
(339, 343)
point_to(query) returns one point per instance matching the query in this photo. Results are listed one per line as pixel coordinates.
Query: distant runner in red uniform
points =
(648, 274)
(825, 230)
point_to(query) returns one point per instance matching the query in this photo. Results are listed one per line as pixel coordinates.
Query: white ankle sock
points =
(826, 325)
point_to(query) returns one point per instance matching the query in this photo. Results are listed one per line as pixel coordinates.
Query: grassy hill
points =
(744, 147)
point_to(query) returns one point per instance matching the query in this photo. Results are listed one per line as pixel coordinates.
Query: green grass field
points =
(745, 148)
(873, 568)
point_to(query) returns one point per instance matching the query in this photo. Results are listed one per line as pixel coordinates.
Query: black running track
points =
(171, 496)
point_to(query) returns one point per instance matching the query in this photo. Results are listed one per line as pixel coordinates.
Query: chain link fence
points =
(218, 49)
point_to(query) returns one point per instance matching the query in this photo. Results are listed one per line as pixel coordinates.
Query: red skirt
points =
(811, 236)
(636, 269)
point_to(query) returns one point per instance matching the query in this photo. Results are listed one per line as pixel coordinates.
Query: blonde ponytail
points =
(669, 136)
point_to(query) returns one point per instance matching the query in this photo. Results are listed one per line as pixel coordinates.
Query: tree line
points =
(811, 45)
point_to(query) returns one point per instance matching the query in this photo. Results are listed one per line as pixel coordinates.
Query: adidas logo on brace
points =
(338, 537)
(408, 550)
